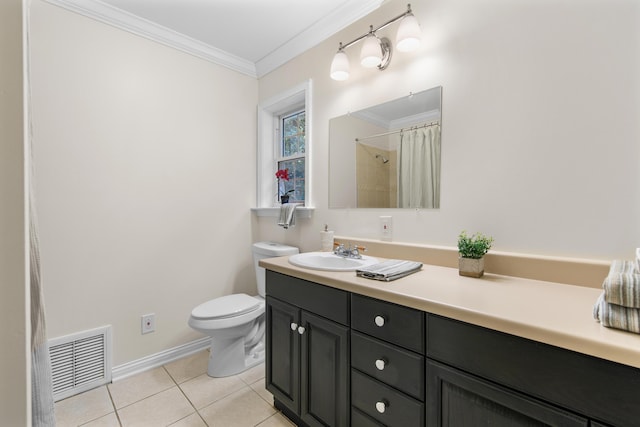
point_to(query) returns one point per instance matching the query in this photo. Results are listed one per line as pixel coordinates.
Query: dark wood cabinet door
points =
(283, 353)
(457, 399)
(324, 372)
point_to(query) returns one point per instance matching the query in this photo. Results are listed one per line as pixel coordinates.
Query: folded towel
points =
(622, 267)
(621, 286)
(622, 289)
(389, 270)
(637, 260)
(287, 215)
(616, 316)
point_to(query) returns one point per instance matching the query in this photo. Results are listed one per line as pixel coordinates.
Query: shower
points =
(384, 159)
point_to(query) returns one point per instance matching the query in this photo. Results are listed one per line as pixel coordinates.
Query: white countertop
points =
(552, 313)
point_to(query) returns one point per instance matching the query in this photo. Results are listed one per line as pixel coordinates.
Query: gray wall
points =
(15, 396)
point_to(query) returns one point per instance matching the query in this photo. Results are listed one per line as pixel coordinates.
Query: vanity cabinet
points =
(307, 344)
(502, 379)
(336, 358)
(387, 363)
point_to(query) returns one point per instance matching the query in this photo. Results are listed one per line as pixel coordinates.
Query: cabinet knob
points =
(294, 326)
(301, 330)
(381, 406)
(380, 364)
(379, 320)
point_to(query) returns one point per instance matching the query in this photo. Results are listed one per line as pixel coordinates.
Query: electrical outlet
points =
(148, 323)
(386, 230)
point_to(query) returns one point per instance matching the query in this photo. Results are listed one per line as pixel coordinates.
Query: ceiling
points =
(255, 35)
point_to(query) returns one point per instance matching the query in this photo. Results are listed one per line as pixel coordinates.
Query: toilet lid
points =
(227, 306)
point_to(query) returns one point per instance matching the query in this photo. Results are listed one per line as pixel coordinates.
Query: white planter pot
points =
(471, 267)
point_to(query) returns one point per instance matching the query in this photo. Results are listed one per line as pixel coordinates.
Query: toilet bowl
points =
(236, 322)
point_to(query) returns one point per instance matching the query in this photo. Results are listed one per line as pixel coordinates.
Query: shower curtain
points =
(42, 409)
(419, 169)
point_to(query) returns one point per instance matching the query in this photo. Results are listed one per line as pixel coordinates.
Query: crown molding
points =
(405, 122)
(318, 32)
(315, 34)
(123, 20)
(372, 118)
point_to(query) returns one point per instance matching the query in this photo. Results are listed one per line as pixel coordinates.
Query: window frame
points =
(268, 144)
(279, 156)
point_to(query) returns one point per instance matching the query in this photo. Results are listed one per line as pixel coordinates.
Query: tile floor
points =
(178, 394)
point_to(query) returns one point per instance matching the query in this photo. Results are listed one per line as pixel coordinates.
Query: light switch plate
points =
(386, 228)
(148, 323)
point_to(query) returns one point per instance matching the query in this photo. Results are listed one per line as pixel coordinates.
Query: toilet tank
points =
(263, 250)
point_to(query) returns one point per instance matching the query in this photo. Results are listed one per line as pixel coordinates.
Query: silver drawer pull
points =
(294, 326)
(380, 364)
(379, 320)
(301, 330)
(381, 406)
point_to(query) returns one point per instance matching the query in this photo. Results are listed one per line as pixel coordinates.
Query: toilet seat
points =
(236, 323)
(226, 307)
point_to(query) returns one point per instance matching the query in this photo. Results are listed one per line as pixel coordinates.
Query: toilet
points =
(236, 322)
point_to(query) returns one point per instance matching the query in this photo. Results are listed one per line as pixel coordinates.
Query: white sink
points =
(328, 261)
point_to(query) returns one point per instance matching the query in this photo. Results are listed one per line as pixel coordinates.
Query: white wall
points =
(14, 335)
(145, 156)
(540, 130)
(145, 175)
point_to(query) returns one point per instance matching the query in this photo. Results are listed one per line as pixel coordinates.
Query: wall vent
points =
(80, 362)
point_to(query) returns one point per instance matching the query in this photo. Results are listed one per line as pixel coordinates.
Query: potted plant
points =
(283, 196)
(472, 250)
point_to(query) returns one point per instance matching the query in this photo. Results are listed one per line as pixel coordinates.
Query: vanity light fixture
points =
(376, 52)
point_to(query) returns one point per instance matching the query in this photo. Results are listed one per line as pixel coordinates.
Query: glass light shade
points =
(409, 34)
(371, 53)
(340, 66)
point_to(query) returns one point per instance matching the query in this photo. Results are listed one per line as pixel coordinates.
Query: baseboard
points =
(153, 361)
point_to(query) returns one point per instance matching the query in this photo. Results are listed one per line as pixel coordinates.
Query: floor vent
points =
(80, 362)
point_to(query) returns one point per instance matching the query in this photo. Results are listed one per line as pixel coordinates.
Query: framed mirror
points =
(387, 155)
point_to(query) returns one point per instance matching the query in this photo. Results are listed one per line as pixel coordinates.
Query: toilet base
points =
(229, 357)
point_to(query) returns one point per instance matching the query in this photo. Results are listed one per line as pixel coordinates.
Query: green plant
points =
(475, 246)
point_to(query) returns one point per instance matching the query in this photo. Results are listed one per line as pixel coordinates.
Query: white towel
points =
(389, 270)
(287, 215)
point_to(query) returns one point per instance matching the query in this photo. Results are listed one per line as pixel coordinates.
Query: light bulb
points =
(371, 53)
(340, 66)
(409, 34)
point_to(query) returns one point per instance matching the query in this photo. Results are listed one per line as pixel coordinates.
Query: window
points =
(284, 142)
(291, 155)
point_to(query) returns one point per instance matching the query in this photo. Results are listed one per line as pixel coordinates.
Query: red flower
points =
(283, 174)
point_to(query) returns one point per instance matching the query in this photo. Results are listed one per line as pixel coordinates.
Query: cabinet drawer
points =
(392, 365)
(399, 409)
(319, 299)
(390, 322)
(358, 419)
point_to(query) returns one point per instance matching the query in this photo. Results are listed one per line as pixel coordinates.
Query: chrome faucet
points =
(349, 251)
